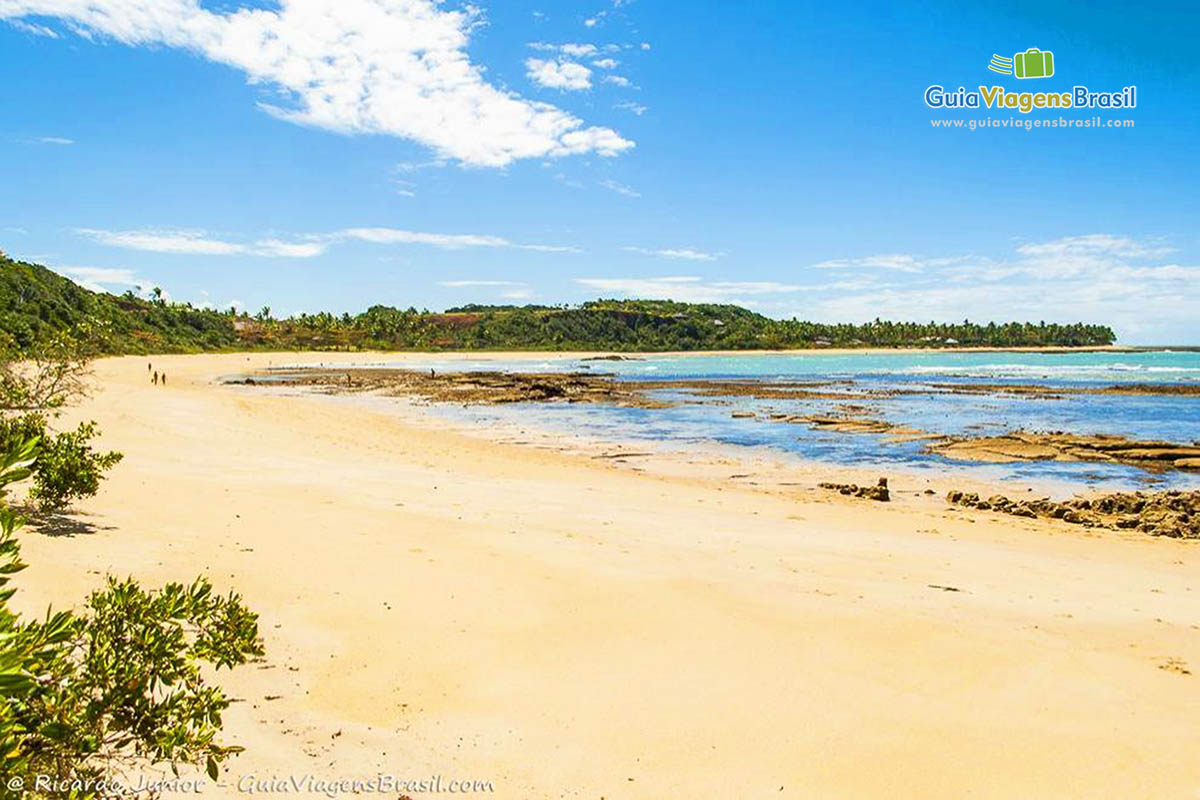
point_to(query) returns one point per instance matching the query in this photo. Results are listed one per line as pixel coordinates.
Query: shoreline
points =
(435, 603)
(515, 355)
(533, 389)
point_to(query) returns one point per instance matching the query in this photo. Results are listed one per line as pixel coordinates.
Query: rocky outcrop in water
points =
(1059, 446)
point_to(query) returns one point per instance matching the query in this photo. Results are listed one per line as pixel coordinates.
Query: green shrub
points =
(83, 696)
(67, 468)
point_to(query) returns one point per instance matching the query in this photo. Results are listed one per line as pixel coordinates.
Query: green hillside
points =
(35, 302)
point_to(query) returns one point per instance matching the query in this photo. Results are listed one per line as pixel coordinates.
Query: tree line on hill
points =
(36, 302)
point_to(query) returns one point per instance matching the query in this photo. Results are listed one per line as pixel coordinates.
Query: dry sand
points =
(436, 603)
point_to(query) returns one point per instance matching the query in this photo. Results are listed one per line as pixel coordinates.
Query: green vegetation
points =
(66, 468)
(35, 303)
(121, 684)
(35, 384)
(83, 696)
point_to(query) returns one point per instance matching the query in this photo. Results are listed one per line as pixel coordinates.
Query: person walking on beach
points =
(164, 379)
(154, 380)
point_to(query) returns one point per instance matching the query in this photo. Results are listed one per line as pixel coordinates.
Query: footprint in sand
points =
(1176, 665)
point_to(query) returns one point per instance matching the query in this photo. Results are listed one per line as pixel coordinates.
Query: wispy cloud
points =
(58, 140)
(509, 290)
(572, 49)
(1094, 245)
(33, 28)
(619, 188)
(470, 284)
(677, 253)
(902, 263)
(112, 280)
(98, 279)
(165, 241)
(370, 66)
(447, 241)
(197, 242)
(687, 288)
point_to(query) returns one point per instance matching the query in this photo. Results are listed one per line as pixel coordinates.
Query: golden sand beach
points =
(438, 603)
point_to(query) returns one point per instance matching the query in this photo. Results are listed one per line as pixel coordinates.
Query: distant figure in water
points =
(432, 374)
(154, 380)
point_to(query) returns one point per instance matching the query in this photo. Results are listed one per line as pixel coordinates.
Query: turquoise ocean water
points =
(918, 404)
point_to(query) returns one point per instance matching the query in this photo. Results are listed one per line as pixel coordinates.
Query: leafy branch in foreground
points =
(119, 685)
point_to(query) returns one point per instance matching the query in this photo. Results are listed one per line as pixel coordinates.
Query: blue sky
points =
(334, 154)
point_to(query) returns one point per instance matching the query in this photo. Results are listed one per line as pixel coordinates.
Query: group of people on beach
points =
(156, 378)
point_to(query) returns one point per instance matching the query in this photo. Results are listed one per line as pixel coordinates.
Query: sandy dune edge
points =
(437, 604)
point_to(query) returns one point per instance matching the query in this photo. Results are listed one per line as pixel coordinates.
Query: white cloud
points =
(276, 247)
(634, 108)
(404, 188)
(511, 290)
(616, 80)
(1096, 244)
(195, 242)
(33, 28)
(469, 284)
(567, 76)
(396, 236)
(572, 49)
(606, 63)
(620, 188)
(59, 140)
(165, 241)
(392, 67)
(678, 253)
(687, 288)
(902, 263)
(98, 278)
(417, 166)
(448, 241)
(578, 50)
(1096, 278)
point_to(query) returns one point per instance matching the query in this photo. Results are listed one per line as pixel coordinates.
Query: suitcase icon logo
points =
(1033, 63)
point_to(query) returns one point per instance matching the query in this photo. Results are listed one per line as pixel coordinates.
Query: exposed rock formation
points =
(877, 492)
(1171, 513)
